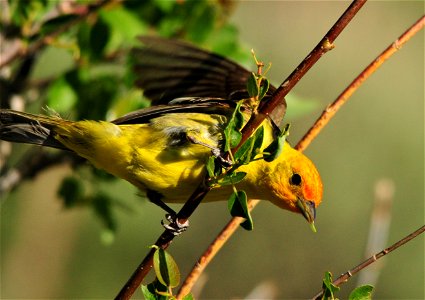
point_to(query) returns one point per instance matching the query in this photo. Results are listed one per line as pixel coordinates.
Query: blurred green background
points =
(51, 252)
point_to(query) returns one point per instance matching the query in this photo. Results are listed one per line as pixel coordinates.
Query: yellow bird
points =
(163, 149)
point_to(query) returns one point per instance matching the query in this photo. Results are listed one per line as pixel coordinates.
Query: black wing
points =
(168, 69)
(183, 105)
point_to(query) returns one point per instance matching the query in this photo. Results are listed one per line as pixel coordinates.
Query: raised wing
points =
(167, 69)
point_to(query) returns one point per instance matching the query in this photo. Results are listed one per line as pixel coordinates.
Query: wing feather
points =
(167, 69)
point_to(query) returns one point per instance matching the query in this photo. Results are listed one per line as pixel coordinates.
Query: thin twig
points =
(321, 48)
(224, 235)
(211, 251)
(346, 94)
(344, 277)
(163, 242)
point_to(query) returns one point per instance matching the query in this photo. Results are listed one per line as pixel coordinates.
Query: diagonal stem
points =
(231, 227)
(344, 277)
(331, 110)
(324, 45)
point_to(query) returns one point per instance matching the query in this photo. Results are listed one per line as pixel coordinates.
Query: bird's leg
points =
(174, 226)
(217, 152)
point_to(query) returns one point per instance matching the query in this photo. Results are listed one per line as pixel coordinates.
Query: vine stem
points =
(321, 122)
(192, 203)
(344, 277)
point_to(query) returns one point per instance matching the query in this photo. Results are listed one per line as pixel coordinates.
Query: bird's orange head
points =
(295, 183)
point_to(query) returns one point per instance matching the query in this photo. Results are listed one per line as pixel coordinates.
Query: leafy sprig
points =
(363, 292)
(251, 149)
(167, 277)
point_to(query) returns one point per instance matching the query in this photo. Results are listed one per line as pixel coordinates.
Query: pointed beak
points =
(308, 210)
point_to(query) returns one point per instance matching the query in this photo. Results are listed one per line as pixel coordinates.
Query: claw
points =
(174, 226)
(221, 156)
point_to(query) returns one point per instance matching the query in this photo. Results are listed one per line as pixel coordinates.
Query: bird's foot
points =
(174, 226)
(224, 160)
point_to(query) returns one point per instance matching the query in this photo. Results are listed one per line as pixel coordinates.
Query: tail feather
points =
(26, 128)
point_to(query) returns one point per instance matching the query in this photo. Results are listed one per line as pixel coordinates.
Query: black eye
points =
(295, 179)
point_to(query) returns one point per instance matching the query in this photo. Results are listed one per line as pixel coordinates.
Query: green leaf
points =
(252, 85)
(363, 292)
(53, 24)
(243, 155)
(61, 97)
(238, 207)
(95, 93)
(236, 204)
(25, 13)
(328, 287)
(234, 138)
(189, 297)
(250, 148)
(211, 166)
(125, 25)
(258, 140)
(154, 291)
(165, 6)
(71, 190)
(232, 131)
(238, 117)
(99, 36)
(102, 204)
(147, 294)
(232, 178)
(166, 268)
(264, 87)
(201, 22)
(272, 151)
(248, 224)
(83, 39)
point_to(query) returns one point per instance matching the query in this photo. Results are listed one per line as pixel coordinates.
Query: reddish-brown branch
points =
(321, 48)
(324, 46)
(163, 241)
(331, 110)
(211, 251)
(230, 228)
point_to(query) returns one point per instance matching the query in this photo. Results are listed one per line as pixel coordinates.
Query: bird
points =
(163, 149)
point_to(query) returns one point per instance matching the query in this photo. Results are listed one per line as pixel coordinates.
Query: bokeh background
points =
(378, 136)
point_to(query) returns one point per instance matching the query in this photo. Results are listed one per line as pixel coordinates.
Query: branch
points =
(211, 251)
(321, 48)
(344, 277)
(324, 45)
(226, 233)
(357, 82)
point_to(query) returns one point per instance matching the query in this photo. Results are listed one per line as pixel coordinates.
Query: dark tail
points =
(20, 127)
